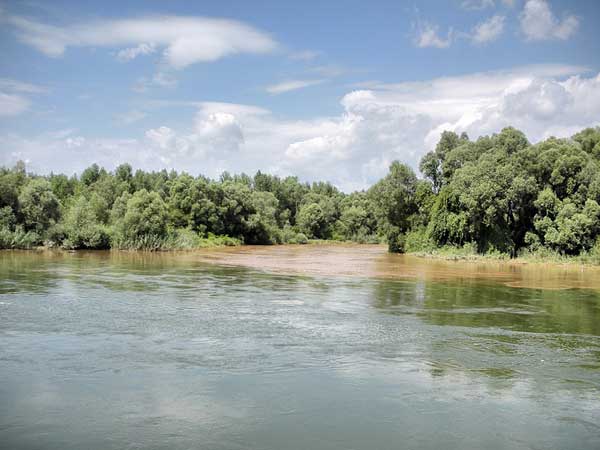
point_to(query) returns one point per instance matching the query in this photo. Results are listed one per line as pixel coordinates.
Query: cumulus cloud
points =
(214, 135)
(404, 120)
(183, 40)
(221, 131)
(488, 30)
(291, 85)
(353, 149)
(428, 36)
(538, 22)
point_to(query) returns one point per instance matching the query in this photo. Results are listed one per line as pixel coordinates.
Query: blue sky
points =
(325, 90)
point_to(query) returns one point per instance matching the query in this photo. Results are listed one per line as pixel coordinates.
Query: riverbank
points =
(356, 261)
(539, 257)
(448, 254)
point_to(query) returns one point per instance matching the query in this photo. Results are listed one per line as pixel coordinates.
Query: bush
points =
(301, 238)
(55, 236)
(147, 242)
(184, 239)
(419, 241)
(144, 224)
(396, 241)
(18, 238)
(290, 236)
(595, 252)
(82, 229)
(38, 205)
(7, 218)
(219, 241)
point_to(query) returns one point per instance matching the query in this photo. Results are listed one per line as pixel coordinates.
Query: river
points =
(295, 347)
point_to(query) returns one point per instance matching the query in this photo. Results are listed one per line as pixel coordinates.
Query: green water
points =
(101, 351)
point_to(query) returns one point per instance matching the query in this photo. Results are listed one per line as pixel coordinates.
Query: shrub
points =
(81, 227)
(396, 241)
(144, 224)
(301, 238)
(38, 205)
(419, 241)
(18, 238)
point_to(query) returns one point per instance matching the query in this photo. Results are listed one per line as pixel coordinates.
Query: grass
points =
(180, 239)
(18, 239)
(541, 256)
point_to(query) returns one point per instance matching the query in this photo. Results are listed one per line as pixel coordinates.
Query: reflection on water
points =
(106, 350)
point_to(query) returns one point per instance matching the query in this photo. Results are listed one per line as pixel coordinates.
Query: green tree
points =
(38, 205)
(90, 175)
(311, 220)
(394, 200)
(144, 224)
(83, 228)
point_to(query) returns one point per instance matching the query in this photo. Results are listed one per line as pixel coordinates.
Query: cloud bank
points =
(353, 149)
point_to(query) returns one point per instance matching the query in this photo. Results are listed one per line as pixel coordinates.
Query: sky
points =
(331, 91)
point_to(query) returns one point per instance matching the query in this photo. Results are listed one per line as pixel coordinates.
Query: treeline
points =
(498, 194)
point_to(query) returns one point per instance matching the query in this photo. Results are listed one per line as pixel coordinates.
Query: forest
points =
(497, 195)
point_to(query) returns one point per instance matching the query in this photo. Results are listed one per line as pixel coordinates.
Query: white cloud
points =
(325, 72)
(74, 142)
(488, 30)
(427, 36)
(161, 137)
(353, 149)
(403, 121)
(127, 54)
(538, 22)
(291, 85)
(221, 131)
(184, 40)
(215, 135)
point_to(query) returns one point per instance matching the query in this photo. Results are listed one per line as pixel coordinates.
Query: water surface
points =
(283, 348)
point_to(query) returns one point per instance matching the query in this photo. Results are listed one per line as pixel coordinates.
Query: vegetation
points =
(499, 196)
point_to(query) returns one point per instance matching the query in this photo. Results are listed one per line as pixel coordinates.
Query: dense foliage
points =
(498, 194)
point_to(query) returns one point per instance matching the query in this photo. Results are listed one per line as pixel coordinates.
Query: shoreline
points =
(350, 261)
(443, 255)
(569, 261)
